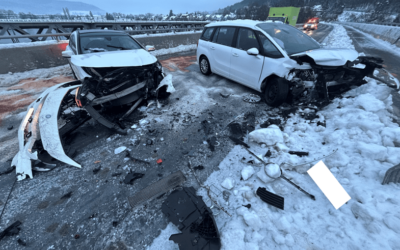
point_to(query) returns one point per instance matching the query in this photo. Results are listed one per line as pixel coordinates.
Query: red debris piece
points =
(159, 161)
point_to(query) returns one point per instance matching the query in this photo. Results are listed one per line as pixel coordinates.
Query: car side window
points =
(72, 41)
(225, 35)
(246, 40)
(268, 49)
(215, 36)
(207, 34)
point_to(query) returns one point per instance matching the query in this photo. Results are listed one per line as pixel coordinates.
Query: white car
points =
(278, 60)
(105, 49)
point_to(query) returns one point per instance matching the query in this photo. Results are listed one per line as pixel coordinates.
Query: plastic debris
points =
(392, 175)
(159, 161)
(224, 95)
(21, 242)
(271, 198)
(97, 162)
(131, 177)
(119, 150)
(127, 154)
(298, 153)
(77, 236)
(193, 218)
(11, 230)
(248, 206)
(10, 127)
(96, 170)
(200, 167)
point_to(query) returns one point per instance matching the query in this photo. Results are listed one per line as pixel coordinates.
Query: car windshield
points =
(289, 38)
(90, 43)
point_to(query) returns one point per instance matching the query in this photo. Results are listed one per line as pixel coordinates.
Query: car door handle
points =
(212, 48)
(234, 54)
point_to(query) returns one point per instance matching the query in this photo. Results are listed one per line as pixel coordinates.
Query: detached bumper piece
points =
(191, 215)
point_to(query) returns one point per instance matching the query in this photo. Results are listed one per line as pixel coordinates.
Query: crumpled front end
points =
(108, 96)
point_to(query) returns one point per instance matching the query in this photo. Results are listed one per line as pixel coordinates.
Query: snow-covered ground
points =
(338, 38)
(360, 127)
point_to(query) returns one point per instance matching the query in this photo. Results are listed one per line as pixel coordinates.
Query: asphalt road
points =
(370, 48)
(321, 33)
(97, 209)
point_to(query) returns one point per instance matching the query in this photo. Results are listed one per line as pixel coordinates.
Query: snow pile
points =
(30, 44)
(180, 48)
(338, 38)
(269, 136)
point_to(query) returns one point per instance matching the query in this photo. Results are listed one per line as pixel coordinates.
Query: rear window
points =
(225, 35)
(207, 34)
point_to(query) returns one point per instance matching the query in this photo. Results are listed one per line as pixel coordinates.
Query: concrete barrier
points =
(390, 34)
(19, 59)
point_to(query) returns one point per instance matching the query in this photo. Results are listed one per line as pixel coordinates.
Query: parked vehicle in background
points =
(311, 24)
(286, 15)
(278, 60)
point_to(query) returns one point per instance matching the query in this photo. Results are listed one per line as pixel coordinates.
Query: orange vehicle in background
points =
(311, 24)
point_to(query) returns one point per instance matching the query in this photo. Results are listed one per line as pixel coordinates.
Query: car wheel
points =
(205, 66)
(276, 92)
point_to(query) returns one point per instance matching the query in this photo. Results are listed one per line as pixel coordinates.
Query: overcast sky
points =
(159, 6)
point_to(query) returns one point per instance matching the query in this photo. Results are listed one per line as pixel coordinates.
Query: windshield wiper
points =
(117, 47)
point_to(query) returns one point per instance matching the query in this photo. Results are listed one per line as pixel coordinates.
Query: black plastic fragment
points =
(212, 141)
(115, 223)
(298, 153)
(271, 121)
(131, 177)
(248, 206)
(66, 196)
(192, 216)
(239, 142)
(236, 130)
(96, 170)
(270, 198)
(224, 95)
(10, 127)
(11, 230)
(268, 154)
(200, 167)
(116, 174)
(21, 242)
(127, 154)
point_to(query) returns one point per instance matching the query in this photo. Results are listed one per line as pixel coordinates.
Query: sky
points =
(159, 6)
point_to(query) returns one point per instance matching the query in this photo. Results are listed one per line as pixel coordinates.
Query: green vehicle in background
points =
(286, 15)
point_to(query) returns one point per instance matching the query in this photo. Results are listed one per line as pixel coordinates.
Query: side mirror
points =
(253, 51)
(67, 53)
(150, 48)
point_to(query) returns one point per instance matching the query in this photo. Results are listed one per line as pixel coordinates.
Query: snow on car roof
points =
(242, 23)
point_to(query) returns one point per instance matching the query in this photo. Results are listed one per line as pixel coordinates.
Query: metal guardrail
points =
(382, 23)
(126, 31)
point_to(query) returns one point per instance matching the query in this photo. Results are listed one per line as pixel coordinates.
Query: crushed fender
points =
(191, 215)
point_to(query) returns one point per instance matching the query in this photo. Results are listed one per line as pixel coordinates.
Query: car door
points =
(203, 47)
(220, 50)
(246, 69)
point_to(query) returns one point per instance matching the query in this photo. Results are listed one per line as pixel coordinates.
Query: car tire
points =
(204, 65)
(276, 92)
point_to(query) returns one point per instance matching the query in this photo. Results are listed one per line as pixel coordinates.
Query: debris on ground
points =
(252, 98)
(21, 242)
(200, 167)
(164, 185)
(224, 95)
(236, 130)
(119, 150)
(66, 196)
(127, 154)
(392, 175)
(11, 230)
(159, 161)
(96, 170)
(271, 121)
(193, 218)
(131, 177)
(271, 198)
(77, 236)
(248, 206)
(10, 127)
(298, 153)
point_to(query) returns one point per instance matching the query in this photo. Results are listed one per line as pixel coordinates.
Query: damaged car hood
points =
(121, 58)
(330, 57)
